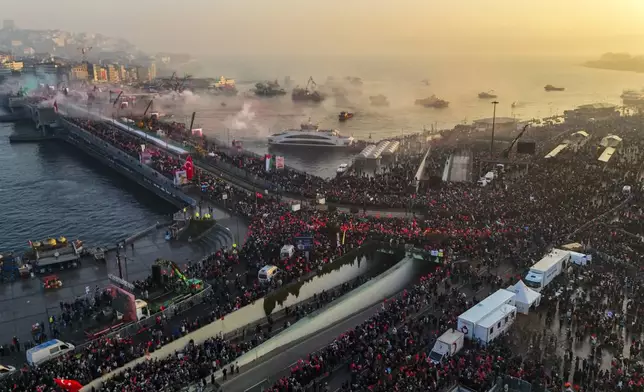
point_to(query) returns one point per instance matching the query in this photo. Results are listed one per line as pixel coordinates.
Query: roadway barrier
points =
(384, 286)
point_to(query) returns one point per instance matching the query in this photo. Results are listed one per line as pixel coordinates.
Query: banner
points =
(180, 178)
(279, 162)
(267, 159)
(145, 157)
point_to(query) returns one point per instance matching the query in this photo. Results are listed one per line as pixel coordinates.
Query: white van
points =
(267, 273)
(490, 176)
(46, 351)
(287, 252)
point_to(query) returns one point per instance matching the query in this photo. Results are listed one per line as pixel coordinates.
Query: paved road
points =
(266, 373)
(24, 303)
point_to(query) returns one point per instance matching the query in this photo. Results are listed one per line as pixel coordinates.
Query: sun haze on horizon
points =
(350, 27)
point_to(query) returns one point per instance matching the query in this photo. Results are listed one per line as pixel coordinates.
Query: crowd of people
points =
(510, 222)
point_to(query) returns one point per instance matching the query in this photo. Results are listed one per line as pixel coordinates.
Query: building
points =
(143, 73)
(489, 318)
(592, 112)
(46, 69)
(501, 125)
(96, 73)
(113, 73)
(153, 71)
(79, 72)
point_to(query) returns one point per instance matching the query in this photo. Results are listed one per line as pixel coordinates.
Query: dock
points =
(30, 137)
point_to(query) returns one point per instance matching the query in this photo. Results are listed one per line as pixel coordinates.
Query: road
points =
(253, 377)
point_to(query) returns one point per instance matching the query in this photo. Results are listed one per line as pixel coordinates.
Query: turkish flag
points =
(68, 385)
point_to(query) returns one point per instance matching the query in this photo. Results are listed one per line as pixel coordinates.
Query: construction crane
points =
(84, 51)
(506, 152)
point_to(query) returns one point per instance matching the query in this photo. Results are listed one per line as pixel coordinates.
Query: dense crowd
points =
(511, 222)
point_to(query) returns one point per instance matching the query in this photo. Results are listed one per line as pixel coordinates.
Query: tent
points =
(611, 141)
(525, 297)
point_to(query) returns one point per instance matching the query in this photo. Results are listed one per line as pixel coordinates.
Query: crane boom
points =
(506, 153)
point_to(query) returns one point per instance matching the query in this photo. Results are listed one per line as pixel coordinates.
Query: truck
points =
(447, 345)
(547, 269)
(65, 256)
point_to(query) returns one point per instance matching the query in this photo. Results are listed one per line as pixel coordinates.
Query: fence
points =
(172, 310)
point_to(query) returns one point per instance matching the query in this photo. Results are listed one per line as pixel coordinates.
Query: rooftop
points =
(495, 316)
(549, 259)
(498, 120)
(596, 106)
(487, 306)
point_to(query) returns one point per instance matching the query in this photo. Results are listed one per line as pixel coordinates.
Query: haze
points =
(385, 27)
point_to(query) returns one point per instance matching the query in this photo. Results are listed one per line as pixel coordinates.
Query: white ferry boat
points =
(310, 135)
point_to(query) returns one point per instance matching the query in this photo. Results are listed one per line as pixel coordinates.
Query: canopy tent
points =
(525, 297)
(611, 141)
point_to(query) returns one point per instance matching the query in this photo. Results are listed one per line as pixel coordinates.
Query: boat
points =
(344, 116)
(342, 168)
(268, 89)
(550, 87)
(379, 100)
(432, 102)
(425, 82)
(354, 80)
(308, 93)
(487, 95)
(224, 86)
(310, 135)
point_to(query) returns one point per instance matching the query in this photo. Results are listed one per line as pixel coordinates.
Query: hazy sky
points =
(348, 26)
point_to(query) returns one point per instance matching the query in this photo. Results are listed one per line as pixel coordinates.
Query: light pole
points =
(493, 126)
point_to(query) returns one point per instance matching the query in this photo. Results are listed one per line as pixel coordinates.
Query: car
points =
(6, 371)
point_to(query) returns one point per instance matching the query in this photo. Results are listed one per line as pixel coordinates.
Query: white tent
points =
(525, 297)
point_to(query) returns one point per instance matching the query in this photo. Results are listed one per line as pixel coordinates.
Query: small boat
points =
(550, 87)
(344, 116)
(342, 168)
(425, 82)
(487, 95)
(432, 102)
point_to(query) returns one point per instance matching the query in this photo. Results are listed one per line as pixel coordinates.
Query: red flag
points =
(55, 106)
(259, 195)
(68, 385)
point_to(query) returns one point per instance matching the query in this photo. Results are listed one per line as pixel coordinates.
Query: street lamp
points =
(493, 126)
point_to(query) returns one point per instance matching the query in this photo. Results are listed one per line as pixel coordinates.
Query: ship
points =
(550, 87)
(268, 89)
(487, 95)
(432, 102)
(344, 116)
(307, 94)
(224, 86)
(633, 97)
(310, 135)
(355, 81)
(379, 100)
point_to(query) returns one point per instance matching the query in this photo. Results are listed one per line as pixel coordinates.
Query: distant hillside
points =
(618, 62)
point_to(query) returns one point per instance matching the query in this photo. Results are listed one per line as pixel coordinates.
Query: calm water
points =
(457, 80)
(49, 190)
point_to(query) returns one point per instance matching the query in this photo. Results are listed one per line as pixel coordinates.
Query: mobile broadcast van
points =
(547, 269)
(447, 345)
(46, 351)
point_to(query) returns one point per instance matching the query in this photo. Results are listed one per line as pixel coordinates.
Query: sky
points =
(215, 27)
